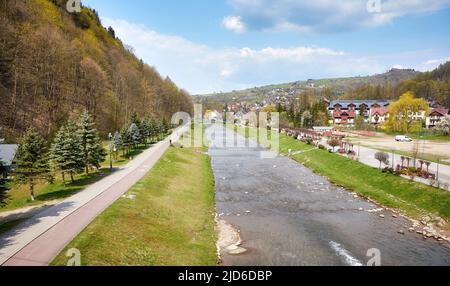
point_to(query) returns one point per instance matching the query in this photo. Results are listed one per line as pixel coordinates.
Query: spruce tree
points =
(135, 135)
(93, 152)
(153, 130)
(145, 131)
(126, 138)
(97, 155)
(67, 155)
(117, 144)
(166, 126)
(32, 162)
(2, 171)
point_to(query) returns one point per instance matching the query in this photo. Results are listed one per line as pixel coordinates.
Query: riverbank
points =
(165, 219)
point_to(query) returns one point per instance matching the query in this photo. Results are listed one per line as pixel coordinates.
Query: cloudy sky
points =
(220, 45)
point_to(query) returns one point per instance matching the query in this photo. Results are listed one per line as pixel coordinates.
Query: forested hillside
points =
(54, 65)
(433, 85)
(330, 88)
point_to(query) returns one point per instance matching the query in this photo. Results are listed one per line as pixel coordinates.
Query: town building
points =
(344, 112)
(379, 115)
(7, 154)
(436, 116)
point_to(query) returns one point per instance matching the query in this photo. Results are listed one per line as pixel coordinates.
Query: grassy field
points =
(169, 222)
(18, 195)
(411, 198)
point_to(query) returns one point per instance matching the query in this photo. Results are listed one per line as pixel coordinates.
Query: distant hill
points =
(54, 64)
(334, 87)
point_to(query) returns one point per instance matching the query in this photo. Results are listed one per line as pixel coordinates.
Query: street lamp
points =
(110, 152)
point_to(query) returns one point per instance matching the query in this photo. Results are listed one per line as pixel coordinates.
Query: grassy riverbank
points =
(413, 199)
(170, 221)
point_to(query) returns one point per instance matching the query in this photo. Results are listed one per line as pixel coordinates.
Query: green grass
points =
(413, 199)
(18, 195)
(170, 222)
(420, 156)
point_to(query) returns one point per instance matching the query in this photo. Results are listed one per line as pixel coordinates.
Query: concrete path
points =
(367, 156)
(40, 239)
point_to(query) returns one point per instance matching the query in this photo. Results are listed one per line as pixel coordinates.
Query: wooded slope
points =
(54, 64)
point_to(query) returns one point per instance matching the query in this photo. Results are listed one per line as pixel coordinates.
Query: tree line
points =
(306, 110)
(77, 147)
(433, 86)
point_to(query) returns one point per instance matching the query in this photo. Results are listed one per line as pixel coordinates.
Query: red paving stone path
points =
(39, 240)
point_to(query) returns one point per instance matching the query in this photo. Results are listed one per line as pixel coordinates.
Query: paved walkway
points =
(367, 156)
(40, 239)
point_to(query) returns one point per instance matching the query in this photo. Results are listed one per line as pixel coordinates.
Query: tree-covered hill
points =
(333, 87)
(55, 64)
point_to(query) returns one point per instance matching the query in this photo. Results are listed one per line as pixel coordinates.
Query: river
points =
(289, 216)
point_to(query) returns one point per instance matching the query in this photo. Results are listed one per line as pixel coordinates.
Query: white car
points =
(403, 138)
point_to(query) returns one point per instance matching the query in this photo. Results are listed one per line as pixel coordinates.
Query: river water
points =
(289, 216)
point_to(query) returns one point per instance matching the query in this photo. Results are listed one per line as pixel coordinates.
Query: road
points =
(367, 156)
(37, 241)
(287, 215)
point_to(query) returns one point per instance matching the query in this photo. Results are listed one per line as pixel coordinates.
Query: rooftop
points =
(7, 153)
(358, 103)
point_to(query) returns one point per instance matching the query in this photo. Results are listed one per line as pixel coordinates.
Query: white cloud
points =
(432, 64)
(203, 69)
(234, 24)
(326, 15)
(399, 67)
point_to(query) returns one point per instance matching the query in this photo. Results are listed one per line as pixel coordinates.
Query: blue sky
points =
(221, 45)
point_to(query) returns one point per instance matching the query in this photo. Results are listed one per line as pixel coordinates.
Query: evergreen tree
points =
(134, 134)
(136, 120)
(66, 153)
(145, 131)
(153, 130)
(160, 130)
(2, 170)
(166, 126)
(291, 112)
(97, 156)
(32, 162)
(127, 141)
(117, 143)
(94, 153)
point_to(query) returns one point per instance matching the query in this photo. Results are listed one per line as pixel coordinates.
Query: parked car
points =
(403, 138)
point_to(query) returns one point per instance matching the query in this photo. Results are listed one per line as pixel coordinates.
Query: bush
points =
(308, 141)
(321, 147)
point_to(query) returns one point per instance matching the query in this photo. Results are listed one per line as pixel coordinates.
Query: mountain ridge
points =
(338, 86)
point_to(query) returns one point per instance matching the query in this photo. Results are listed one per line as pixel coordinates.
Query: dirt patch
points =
(384, 141)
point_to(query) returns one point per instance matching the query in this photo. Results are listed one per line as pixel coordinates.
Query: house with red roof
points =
(344, 112)
(379, 115)
(436, 116)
